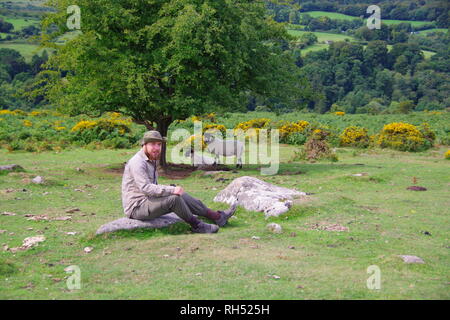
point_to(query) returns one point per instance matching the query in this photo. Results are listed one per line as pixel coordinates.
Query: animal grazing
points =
(226, 148)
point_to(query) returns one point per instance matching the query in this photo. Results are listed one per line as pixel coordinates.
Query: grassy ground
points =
(326, 36)
(21, 22)
(27, 50)
(336, 15)
(384, 220)
(323, 36)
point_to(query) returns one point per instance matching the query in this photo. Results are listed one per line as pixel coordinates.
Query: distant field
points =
(433, 30)
(331, 15)
(25, 49)
(20, 23)
(323, 36)
(335, 15)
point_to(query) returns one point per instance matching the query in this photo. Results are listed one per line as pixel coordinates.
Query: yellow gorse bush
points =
(214, 127)
(354, 136)
(254, 123)
(402, 136)
(16, 112)
(194, 140)
(27, 123)
(293, 127)
(339, 113)
(208, 117)
(447, 154)
(109, 125)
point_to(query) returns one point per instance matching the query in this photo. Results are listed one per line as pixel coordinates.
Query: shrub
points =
(215, 127)
(289, 128)
(404, 137)
(296, 138)
(447, 154)
(316, 147)
(354, 136)
(87, 131)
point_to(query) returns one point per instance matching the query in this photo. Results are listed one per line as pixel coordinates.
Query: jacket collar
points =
(144, 156)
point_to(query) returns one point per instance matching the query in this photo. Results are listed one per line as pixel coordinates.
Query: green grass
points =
(331, 15)
(323, 36)
(384, 220)
(27, 50)
(20, 23)
(433, 30)
(335, 15)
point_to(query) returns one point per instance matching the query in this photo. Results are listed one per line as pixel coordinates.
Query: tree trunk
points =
(163, 128)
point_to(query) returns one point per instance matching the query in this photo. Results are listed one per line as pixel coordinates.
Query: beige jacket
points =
(140, 182)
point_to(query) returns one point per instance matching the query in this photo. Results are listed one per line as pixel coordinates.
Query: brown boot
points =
(225, 215)
(205, 228)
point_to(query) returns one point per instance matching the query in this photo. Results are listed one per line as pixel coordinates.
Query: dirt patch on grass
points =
(173, 171)
(325, 226)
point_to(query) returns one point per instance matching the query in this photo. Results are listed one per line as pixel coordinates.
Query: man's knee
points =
(173, 199)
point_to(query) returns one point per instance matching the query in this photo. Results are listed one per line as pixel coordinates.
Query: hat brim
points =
(164, 139)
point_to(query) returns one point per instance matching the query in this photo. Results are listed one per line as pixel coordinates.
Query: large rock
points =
(257, 195)
(11, 167)
(130, 224)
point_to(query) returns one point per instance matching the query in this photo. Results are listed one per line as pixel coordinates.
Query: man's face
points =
(153, 150)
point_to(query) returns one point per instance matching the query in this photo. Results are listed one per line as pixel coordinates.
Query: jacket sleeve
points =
(144, 184)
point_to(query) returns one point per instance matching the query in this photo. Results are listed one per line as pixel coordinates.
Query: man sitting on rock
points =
(144, 199)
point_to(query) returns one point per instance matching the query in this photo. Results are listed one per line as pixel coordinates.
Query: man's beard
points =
(154, 156)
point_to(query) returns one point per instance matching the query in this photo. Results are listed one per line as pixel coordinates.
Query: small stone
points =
(2, 231)
(291, 247)
(38, 180)
(166, 256)
(293, 234)
(360, 174)
(276, 277)
(71, 233)
(255, 238)
(274, 227)
(411, 259)
(198, 274)
(66, 218)
(5, 213)
(88, 249)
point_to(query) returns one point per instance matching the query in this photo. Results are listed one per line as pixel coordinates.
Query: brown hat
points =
(153, 135)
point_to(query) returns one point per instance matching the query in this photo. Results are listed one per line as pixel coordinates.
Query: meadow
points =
(323, 37)
(328, 241)
(336, 15)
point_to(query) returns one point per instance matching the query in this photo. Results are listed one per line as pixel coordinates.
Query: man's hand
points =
(178, 191)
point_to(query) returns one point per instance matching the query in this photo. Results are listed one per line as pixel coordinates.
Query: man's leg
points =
(158, 206)
(198, 207)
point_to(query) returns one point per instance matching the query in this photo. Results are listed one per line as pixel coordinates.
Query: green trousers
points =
(184, 206)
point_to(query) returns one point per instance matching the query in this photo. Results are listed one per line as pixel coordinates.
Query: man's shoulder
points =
(136, 159)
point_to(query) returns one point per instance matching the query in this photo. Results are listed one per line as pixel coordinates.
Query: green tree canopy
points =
(158, 61)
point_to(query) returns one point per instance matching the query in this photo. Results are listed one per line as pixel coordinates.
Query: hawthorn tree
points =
(162, 60)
